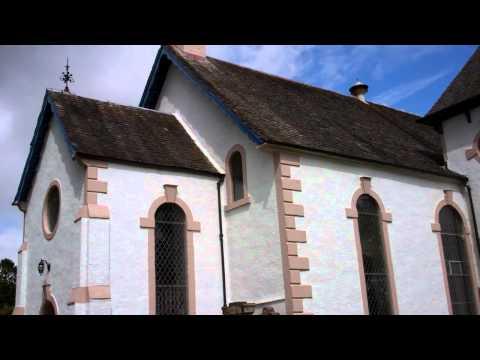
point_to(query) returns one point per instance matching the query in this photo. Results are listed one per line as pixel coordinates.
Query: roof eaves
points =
(214, 172)
(443, 114)
(36, 145)
(450, 174)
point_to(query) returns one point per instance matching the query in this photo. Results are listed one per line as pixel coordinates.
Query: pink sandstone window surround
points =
(379, 221)
(191, 227)
(474, 151)
(171, 285)
(51, 210)
(236, 178)
(443, 231)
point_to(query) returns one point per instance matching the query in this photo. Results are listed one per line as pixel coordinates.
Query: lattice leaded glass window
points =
(456, 262)
(236, 172)
(170, 261)
(373, 254)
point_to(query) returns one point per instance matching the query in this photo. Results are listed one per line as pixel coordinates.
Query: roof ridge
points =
(301, 83)
(266, 104)
(451, 84)
(395, 109)
(107, 102)
(296, 82)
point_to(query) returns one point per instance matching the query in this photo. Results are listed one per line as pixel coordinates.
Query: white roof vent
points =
(359, 90)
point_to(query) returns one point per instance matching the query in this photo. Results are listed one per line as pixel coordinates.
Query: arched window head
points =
(236, 178)
(171, 261)
(457, 265)
(377, 279)
(236, 173)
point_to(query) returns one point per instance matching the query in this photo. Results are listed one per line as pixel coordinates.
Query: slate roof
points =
(464, 88)
(111, 131)
(281, 111)
(103, 130)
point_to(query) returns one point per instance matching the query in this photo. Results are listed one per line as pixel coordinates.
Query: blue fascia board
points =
(33, 159)
(154, 75)
(151, 78)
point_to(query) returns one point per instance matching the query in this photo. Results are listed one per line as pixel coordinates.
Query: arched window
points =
(236, 173)
(236, 178)
(377, 280)
(456, 262)
(171, 281)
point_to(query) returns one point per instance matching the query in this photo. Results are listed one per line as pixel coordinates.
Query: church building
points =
(229, 190)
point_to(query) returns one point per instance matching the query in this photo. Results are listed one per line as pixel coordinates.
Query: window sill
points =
(236, 204)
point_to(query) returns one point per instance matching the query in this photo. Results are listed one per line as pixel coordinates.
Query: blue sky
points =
(405, 77)
(410, 78)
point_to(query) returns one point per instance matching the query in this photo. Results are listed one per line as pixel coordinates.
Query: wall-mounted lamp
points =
(41, 266)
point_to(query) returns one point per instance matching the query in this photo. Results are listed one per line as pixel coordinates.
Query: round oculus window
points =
(51, 210)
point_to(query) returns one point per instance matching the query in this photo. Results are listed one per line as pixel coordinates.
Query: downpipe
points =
(220, 236)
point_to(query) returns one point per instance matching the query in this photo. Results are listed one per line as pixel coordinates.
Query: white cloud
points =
(330, 67)
(325, 66)
(288, 61)
(403, 91)
(414, 52)
(339, 66)
(378, 72)
(6, 124)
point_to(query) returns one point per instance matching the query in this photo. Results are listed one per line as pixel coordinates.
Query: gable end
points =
(157, 77)
(33, 160)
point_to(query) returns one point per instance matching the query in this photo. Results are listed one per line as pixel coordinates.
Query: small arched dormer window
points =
(237, 194)
(236, 173)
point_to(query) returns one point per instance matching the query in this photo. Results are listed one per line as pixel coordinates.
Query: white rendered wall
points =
(458, 137)
(327, 190)
(21, 282)
(95, 264)
(63, 251)
(253, 256)
(131, 192)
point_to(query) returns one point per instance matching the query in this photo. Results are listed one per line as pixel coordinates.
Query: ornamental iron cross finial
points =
(67, 77)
